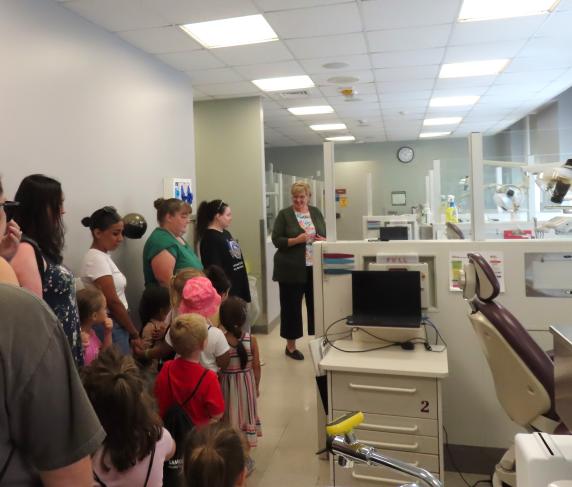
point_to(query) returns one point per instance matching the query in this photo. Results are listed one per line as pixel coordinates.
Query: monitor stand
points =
(386, 333)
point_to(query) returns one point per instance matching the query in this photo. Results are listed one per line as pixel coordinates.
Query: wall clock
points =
(405, 154)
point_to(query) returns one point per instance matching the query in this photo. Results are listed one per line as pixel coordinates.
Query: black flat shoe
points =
(296, 354)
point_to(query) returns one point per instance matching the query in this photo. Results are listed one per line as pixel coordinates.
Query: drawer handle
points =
(369, 478)
(392, 446)
(399, 390)
(382, 427)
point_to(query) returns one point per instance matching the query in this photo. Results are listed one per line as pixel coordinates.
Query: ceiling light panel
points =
(473, 68)
(284, 83)
(429, 122)
(341, 138)
(475, 10)
(237, 31)
(328, 126)
(311, 110)
(427, 135)
(453, 101)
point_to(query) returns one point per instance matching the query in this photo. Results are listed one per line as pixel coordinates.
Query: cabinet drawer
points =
(393, 441)
(396, 424)
(385, 394)
(367, 476)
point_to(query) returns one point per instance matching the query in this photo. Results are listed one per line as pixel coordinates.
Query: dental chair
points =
(522, 372)
(453, 232)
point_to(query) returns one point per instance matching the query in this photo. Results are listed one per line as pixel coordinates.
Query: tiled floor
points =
(285, 456)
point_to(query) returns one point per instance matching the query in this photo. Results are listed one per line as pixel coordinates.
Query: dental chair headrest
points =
(486, 285)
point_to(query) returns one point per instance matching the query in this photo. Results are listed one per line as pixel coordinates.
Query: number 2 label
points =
(424, 406)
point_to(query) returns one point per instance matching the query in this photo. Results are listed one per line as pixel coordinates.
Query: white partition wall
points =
(472, 413)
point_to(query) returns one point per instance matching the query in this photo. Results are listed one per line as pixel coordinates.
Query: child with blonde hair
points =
(240, 381)
(92, 307)
(187, 393)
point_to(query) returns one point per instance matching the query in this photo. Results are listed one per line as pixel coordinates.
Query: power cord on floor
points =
(484, 481)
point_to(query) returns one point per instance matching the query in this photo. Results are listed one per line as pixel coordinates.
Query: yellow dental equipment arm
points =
(342, 441)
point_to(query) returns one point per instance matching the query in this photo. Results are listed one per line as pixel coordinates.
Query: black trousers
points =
(291, 295)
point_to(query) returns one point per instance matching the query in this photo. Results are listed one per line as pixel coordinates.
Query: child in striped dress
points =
(241, 379)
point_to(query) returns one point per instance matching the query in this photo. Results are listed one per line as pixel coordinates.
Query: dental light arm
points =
(556, 180)
(343, 442)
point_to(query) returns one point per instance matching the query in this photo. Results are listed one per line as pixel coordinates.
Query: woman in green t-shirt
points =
(166, 251)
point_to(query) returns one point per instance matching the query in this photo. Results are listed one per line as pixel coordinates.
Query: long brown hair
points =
(121, 401)
(215, 456)
(233, 316)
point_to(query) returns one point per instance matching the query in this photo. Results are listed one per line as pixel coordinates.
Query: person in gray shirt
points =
(48, 428)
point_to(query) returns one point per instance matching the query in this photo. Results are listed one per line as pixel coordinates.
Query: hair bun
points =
(86, 221)
(158, 203)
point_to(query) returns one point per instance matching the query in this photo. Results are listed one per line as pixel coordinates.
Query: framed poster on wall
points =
(180, 188)
(398, 198)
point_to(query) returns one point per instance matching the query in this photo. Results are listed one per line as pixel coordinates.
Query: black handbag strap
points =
(38, 254)
(7, 463)
(192, 393)
(102, 484)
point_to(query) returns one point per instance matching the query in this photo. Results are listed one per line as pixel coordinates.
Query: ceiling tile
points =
(537, 63)
(393, 14)
(271, 5)
(408, 39)
(266, 52)
(548, 47)
(191, 60)
(315, 47)
(230, 89)
(198, 95)
(495, 30)
(418, 57)
(483, 51)
(270, 70)
(317, 21)
(160, 40)
(117, 15)
(407, 73)
(472, 91)
(557, 25)
(189, 11)
(403, 86)
(362, 76)
(221, 75)
(406, 96)
(355, 63)
(305, 102)
(516, 78)
(519, 90)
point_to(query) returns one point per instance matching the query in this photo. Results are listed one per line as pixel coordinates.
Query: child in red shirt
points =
(178, 377)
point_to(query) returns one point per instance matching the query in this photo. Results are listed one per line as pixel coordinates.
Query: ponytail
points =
(233, 316)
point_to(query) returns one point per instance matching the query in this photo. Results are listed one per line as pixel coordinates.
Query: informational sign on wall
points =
(458, 260)
(179, 188)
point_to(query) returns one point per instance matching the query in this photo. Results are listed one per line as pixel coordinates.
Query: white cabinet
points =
(401, 404)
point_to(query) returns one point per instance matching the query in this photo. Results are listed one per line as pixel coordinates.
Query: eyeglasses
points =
(9, 204)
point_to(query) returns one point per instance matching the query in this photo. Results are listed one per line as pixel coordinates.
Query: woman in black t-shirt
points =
(217, 247)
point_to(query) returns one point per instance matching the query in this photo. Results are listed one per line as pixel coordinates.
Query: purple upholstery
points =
(484, 271)
(514, 333)
(456, 230)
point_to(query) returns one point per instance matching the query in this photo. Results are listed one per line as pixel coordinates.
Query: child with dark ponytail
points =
(215, 456)
(240, 381)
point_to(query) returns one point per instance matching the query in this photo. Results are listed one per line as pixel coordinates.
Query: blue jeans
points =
(119, 337)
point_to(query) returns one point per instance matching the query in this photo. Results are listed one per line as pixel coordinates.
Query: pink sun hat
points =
(199, 296)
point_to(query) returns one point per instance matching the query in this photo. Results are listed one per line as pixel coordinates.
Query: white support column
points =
(477, 185)
(330, 191)
(436, 201)
(498, 175)
(369, 194)
(533, 192)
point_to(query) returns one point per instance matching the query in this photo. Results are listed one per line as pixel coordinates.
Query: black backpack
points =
(179, 424)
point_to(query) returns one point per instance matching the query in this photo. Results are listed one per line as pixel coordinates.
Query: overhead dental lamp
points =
(555, 180)
(508, 197)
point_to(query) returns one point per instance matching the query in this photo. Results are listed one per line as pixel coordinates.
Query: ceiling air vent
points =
(288, 95)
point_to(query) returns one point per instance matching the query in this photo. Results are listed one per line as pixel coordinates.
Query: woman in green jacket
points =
(296, 228)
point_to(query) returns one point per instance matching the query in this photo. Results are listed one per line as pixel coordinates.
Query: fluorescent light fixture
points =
(314, 110)
(341, 138)
(473, 68)
(430, 122)
(427, 135)
(285, 83)
(474, 10)
(453, 101)
(236, 31)
(328, 126)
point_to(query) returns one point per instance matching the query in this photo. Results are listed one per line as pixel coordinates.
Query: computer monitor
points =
(386, 299)
(393, 233)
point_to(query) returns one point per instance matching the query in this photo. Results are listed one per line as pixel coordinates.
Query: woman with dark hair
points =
(98, 268)
(166, 251)
(10, 233)
(217, 247)
(38, 261)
